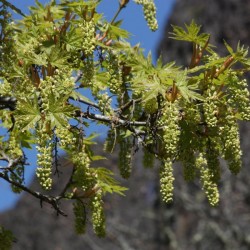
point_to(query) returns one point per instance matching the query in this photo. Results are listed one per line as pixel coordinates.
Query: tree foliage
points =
(189, 114)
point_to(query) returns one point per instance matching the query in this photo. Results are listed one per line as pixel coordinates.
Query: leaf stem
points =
(122, 5)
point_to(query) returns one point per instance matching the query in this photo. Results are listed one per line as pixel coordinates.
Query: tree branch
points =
(128, 104)
(43, 198)
(109, 119)
(86, 102)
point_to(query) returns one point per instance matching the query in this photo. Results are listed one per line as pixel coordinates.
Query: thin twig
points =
(117, 13)
(128, 104)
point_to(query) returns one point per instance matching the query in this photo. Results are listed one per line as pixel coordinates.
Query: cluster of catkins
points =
(199, 133)
(86, 184)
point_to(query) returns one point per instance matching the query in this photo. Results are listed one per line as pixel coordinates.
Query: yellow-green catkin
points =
(110, 141)
(168, 123)
(114, 73)
(80, 217)
(210, 107)
(166, 181)
(82, 177)
(88, 32)
(66, 138)
(14, 149)
(98, 217)
(229, 134)
(44, 158)
(206, 177)
(125, 157)
(88, 74)
(212, 156)
(239, 96)
(149, 10)
(104, 103)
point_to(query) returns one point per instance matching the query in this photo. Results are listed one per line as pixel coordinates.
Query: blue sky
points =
(133, 22)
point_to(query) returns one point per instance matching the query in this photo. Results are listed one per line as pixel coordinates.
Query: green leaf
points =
(59, 111)
(187, 91)
(81, 3)
(27, 113)
(89, 140)
(108, 183)
(72, 39)
(115, 32)
(191, 34)
(229, 48)
(78, 96)
(98, 158)
(57, 57)
(26, 139)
